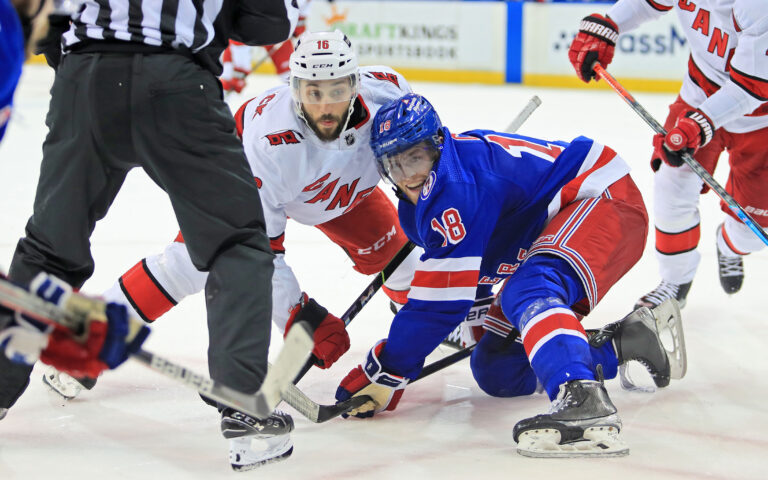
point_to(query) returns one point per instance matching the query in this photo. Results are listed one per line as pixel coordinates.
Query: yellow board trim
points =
(631, 84)
(415, 74)
(38, 59)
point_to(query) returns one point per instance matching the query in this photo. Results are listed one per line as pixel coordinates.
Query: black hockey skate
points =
(65, 385)
(254, 442)
(638, 337)
(582, 422)
(730, 269)
(664, 291)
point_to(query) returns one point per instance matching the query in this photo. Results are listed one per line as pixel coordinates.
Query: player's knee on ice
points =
(501, 367)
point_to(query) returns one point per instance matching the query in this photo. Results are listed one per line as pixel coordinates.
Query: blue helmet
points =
(400, 125)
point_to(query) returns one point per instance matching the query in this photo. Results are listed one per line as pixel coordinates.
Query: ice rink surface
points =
(137, 425)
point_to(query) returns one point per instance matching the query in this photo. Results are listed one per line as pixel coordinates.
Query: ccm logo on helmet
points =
(323, 65)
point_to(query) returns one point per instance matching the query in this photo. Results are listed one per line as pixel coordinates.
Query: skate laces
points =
(664, 291)
(730, 266)
(563, 400)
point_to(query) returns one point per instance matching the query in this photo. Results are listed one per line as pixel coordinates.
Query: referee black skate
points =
(136, 86)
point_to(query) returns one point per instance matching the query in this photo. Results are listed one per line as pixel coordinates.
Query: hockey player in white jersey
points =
(721, 106)
(307, 144)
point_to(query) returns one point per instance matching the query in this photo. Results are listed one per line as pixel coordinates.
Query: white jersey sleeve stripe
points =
(600, 169)
(442, 294)
(450, 264)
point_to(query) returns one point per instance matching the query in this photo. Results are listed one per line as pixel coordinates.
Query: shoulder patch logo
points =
(263, 103)
(429, 183)
(387, 77)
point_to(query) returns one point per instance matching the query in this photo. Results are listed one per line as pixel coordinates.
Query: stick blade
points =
(294, 354)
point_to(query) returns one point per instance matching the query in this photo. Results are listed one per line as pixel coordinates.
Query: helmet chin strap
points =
(349, 115)
(300, 114)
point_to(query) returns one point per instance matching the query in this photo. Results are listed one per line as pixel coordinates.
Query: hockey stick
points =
(526, 112)
(687, 158)
(366, 296)
(377, 283)
(269, 53)
(318, 413)
(295, 351)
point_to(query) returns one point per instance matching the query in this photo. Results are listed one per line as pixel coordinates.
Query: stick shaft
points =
(526, 112)
(687, 158)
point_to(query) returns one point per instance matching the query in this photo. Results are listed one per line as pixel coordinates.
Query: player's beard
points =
(326, 137)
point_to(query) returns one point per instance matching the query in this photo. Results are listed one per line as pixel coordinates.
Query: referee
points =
(136, 86)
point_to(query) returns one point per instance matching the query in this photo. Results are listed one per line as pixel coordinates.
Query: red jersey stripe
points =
(466, 278)
(547, 325)
(658, 6)
(757, 87)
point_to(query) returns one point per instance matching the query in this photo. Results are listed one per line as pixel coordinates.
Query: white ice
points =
(137, 425)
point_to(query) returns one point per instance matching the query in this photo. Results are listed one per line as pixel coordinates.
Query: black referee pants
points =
(110, 112)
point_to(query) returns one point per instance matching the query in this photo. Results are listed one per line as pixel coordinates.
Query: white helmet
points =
(323, 56)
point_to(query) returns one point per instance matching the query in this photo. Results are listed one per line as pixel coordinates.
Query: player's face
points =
(410, 169)
(325, 104)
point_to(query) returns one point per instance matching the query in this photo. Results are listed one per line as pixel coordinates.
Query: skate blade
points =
(629, 384)
(602, 441)
(670, 327)
(247, 454)
(61, 384)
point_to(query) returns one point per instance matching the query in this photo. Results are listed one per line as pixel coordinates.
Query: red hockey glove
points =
(692, 130)
(595, 41)
(237, 82)
(385, 389)
(331, 337)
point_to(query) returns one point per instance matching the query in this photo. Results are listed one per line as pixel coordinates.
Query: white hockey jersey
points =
(299, 177)
(728, 69)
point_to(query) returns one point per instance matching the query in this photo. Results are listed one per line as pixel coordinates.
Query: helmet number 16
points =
(323, 45)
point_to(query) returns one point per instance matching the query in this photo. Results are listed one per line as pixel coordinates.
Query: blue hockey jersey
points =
(11, 59)
(484, 204)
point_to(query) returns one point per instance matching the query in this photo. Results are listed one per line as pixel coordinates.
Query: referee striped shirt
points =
(160, 23)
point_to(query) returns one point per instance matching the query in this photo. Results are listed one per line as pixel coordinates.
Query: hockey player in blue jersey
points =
(557, 224)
